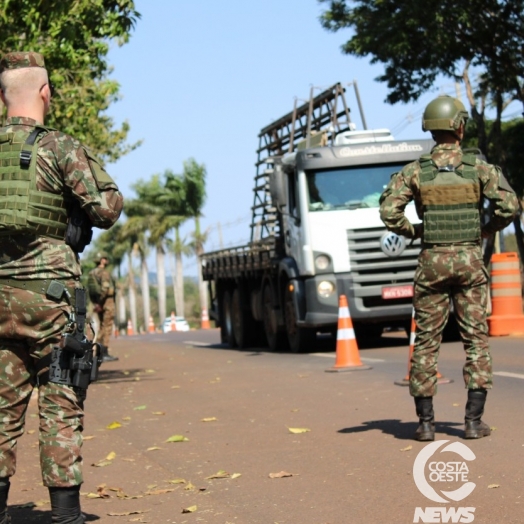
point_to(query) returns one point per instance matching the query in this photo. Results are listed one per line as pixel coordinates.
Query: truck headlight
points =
(325, 288)
(322, 262)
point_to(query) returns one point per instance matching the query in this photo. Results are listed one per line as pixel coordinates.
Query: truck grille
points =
(371, 269)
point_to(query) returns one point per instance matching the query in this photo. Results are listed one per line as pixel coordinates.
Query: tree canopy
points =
(74, 36)
(417, 41)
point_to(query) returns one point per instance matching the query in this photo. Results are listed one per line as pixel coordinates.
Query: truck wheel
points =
(276, 339)
(229, 335)
(242, 320)
(301, 340)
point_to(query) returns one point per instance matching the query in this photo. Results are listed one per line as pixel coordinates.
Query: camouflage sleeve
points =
(393, 202)
(504, 202)
(79, 171)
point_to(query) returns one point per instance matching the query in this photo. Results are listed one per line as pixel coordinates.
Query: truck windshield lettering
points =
(348, 187)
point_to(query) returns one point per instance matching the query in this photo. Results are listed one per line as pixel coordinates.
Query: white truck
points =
(316, 234)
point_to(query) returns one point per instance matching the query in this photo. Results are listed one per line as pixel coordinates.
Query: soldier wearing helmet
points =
(101, 288)
(449, 187)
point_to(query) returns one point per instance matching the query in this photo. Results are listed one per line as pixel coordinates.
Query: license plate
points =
(397, 292)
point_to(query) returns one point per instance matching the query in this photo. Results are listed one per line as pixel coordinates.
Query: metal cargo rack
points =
(238, 261)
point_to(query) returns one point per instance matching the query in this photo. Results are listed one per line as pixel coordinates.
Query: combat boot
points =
(65, 505)
(106, 357)
(475, 428)
(426, 418)
(4, 491)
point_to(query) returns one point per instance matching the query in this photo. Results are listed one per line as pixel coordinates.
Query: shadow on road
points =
(124, 375)
(32, 515)
(404, 430)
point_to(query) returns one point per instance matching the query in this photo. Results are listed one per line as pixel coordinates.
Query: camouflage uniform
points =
(32, 323)
(105, 298)
(449, 271)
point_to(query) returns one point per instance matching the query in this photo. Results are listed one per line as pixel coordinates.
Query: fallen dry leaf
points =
(189, 487)
(160, 491)
(114, 425)
(209, 419)
(88, 437)
(298, 430)
(140, 408)
(177, 481)
(177, 438)
(407, 448)
(102, 463)
(492, 486)
(159, 412)
(219, 475)
(236, 475)
(153, 448)
(190, 509)
(111, 456)
(280, 475)
(125, 513)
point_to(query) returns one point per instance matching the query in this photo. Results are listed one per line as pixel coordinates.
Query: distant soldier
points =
(46, 178)
(449, 187)
(101, 287)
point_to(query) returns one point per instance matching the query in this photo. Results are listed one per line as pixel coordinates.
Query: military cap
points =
(20, 60)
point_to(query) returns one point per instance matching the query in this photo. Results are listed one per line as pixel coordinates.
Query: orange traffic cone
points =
(173, 321)
(347, 357)
(130, 328)
(151, 325)
(405, 381)
(205, 320)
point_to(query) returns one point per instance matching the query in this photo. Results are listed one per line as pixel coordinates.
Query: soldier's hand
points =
(97, 308)
(419, 230)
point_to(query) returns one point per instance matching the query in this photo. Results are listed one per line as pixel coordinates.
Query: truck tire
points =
(242, 321)
(228, 334)
(300, 339)
(275, 337)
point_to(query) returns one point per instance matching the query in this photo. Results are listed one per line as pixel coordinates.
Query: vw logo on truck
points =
(392, 245)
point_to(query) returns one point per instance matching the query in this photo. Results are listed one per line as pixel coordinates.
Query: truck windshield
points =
(350, 187)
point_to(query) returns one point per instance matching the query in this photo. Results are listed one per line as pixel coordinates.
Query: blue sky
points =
(200, 79)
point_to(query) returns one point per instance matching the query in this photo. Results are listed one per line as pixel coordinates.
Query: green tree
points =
(194, 180)
(418, 41)
(74, 36)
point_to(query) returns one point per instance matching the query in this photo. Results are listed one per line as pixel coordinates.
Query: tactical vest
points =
(450, 201)
(24, 209)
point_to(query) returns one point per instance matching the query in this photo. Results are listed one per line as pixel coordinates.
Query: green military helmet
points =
(445, 113)
(100, 255)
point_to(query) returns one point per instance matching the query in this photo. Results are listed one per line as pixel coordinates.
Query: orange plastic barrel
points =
(506, 295)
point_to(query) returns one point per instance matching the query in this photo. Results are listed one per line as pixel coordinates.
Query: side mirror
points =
(277, 186)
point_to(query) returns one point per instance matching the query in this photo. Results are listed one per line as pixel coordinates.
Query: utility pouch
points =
(55, 290)
(79, 231)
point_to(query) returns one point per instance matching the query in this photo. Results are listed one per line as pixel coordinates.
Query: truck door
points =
(292, 223)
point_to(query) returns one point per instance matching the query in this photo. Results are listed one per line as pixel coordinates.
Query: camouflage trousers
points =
(445, 274)
(106, 318)
(30, 324)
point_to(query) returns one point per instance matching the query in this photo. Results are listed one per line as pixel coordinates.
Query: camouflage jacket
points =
(405, 187)
(63, 168)
(101, 285)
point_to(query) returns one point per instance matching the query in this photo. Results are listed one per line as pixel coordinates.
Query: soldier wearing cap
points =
(44, 175)
(449, 187)
(101, 287)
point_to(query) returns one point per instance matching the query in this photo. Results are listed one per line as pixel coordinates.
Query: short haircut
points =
(18, 84)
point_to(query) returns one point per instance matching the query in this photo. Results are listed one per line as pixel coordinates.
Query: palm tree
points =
(135, 230)
(194, 179)
(174, 204)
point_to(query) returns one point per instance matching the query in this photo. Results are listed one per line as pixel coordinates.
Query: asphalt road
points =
(354, 465)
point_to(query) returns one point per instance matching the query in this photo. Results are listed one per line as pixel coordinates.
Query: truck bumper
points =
(366, 304)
